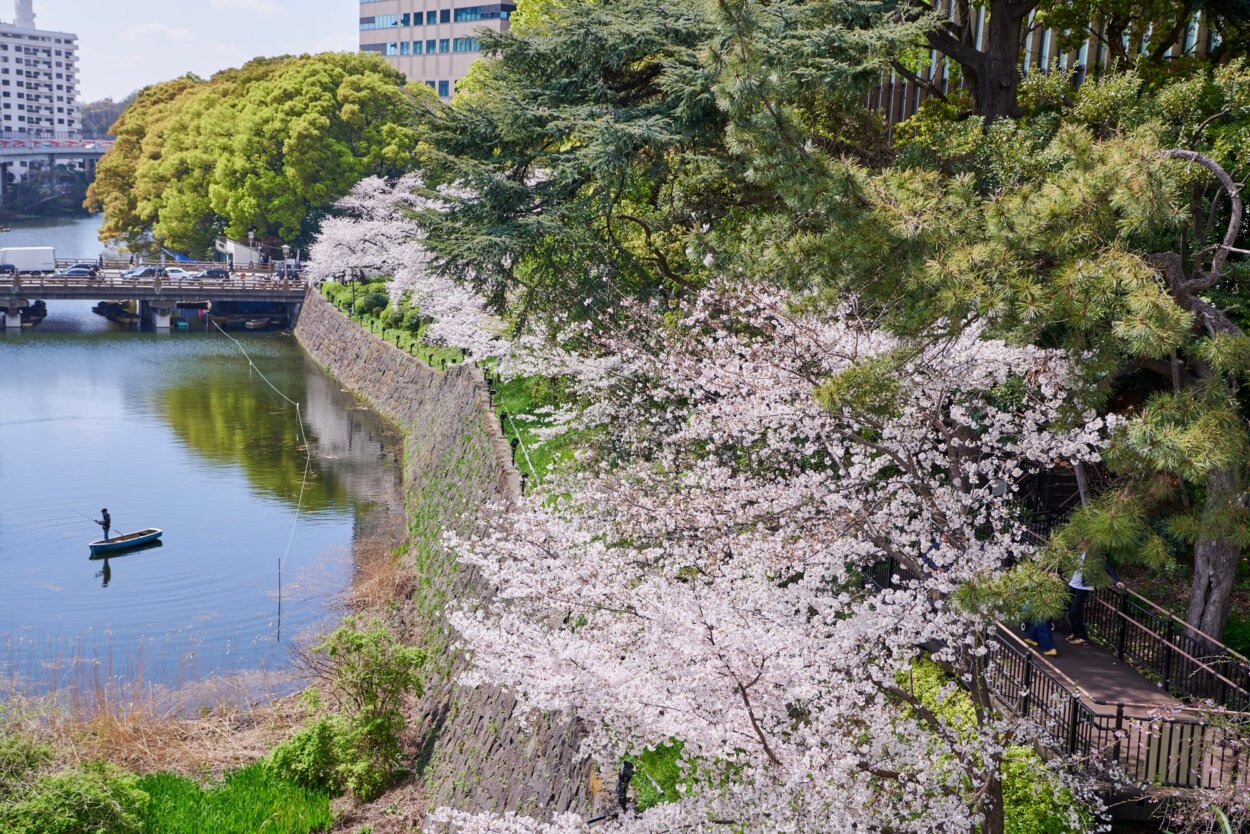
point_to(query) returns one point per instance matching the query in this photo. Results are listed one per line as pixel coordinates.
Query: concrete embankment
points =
(457, 469)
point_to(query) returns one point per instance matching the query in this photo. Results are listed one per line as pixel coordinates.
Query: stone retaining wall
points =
(472, 753)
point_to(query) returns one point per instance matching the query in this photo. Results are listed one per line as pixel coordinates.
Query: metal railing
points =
(1138, 742)
(1186, 661)
(260, 283)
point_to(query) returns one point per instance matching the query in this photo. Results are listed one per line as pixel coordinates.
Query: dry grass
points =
(170, 731)
(381, 577)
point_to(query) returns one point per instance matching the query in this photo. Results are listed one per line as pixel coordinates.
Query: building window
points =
(403, 48)
(431, 46)
(431, 18)
(431, 84)
(468, 13)
(444, 89)
(392, 49)
(465, 45)
(382, 21)
(416, 47)
(444, 45)
(444, 16)
(404, 19)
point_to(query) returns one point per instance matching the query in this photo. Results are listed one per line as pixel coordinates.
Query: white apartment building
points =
(430, 41)
(38, 79)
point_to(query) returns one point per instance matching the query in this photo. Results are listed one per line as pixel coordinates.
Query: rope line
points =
(299, 504)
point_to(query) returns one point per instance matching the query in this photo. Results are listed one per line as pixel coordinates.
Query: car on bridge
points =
(145, 272)
(95, 269)
(179, 274)
(215, 274)
(78, 271)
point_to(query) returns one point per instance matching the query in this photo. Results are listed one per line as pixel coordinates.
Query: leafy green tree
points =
(267, 148)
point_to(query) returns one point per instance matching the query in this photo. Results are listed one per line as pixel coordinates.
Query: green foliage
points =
(868, 388)
(371, 303)
(248, 801)
(528, 402)
(97, 799)
(267, 147)
(1032, 803)
(365, 673)
(20, 756)
(310, 757)
(1032, 800)
(660, 775)
(1114, 528)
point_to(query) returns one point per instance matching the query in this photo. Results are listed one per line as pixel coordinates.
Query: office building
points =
(38, 78)
(430, 41)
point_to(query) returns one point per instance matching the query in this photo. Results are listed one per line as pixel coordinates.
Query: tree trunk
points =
(1215, 562)
(997, 83)
(995, 813)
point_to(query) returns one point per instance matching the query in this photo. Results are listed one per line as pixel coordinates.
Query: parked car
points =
(289, 273)
(178, 273)
(215, 274)
(87, 265)
(76, 272)
(8, 269)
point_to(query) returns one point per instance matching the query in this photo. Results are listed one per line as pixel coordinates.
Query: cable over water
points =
(299, 504)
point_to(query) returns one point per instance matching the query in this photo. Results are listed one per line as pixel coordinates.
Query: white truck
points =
(32, 260)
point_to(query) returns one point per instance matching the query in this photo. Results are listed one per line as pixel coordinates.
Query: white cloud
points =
(268, 8)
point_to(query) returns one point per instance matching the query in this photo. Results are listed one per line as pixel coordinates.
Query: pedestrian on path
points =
(1038, 631)
(1079, 587)
(1041, 635)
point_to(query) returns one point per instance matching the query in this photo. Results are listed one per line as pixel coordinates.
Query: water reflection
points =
(176, 432)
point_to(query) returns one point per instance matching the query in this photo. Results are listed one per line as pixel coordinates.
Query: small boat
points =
(256, 324)
(125, 542)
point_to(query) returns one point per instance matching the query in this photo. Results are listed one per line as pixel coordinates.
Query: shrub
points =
(414, 321)
(1032, 802)
(249, 800)
(364, 674)
(310, 757)
(20, 756)
(99, 799)
(371, 303)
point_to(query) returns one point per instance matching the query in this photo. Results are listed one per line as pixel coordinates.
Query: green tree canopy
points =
(266, 147)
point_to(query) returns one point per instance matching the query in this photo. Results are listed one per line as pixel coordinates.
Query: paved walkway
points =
(1106, 681)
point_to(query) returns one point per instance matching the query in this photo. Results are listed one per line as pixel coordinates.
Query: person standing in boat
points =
(106, 523)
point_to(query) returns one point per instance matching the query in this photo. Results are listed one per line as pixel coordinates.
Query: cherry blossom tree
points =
(701, 580)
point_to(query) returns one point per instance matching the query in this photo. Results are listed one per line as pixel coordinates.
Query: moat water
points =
(178, 431)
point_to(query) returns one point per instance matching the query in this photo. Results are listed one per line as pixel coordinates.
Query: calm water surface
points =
(177, 431)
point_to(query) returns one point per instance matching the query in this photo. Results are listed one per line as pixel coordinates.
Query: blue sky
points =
(127, 44)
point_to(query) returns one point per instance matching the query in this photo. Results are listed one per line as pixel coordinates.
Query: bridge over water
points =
(157, 297)
(51, 151)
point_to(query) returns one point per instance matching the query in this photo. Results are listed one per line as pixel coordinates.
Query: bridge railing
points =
(1145, 744)
(1186, 661)
(32, 285)
(117, 264)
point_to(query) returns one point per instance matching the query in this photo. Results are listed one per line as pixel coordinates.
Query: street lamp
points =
(251, 245)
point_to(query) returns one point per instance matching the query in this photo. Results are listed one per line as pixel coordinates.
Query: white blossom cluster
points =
(705, 584)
